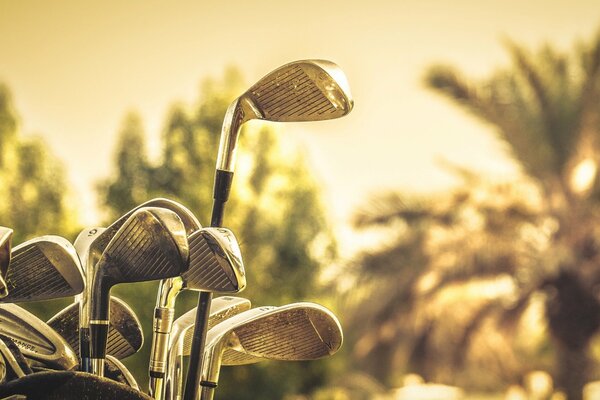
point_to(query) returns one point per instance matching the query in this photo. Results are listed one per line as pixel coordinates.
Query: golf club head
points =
(100, 239)
(37, 341)
(116, 371)
(305, 90)
(215, 262)
(43, 268)
(5, 250)
(151, 245)
(221, 308)
(125, 336)
(294, 332)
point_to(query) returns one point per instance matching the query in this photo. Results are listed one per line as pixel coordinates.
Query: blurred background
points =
(449, 221)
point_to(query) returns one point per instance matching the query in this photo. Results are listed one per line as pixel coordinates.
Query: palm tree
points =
(545, 109)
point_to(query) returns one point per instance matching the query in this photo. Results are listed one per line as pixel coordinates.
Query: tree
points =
(274, 211)
(544, 109)
(34, 188)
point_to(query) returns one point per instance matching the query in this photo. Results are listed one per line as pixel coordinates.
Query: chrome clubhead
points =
(151, 245)
(125, 336)
(215, 262)
(37, 341)
(294, 332)
(43, 268)
(305, 90)
(5, 250)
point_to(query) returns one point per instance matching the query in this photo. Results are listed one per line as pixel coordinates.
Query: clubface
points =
(150, 245)
(299, 331)
(306, 90)
(125, 336)
(43, 268)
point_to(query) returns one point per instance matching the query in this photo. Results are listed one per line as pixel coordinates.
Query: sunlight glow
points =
(584, 175)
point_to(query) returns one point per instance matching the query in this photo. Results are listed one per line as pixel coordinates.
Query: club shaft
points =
(194, 374)
(222, 186)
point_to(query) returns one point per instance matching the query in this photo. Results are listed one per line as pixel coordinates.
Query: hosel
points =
(164, 314)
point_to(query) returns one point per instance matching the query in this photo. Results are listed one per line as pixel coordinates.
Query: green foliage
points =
(274, 210)
(33, 182)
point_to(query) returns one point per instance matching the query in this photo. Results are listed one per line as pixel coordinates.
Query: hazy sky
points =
(76, 67)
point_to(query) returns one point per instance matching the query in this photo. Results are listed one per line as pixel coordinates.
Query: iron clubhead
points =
(294, 332)
(215, 262)
(37, 341)
(5, 250)
(43, 268)
(305, 90)
(151, 245)
(125, 336)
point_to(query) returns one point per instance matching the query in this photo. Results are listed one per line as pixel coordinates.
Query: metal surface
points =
(12, 367)
(43, 268)
(150, 245)
(5, 250)
(221, 309)
(306, 90)
(298, 331)
(125, 336)
(37, 341)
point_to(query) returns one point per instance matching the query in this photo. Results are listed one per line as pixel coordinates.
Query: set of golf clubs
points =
(163, 240)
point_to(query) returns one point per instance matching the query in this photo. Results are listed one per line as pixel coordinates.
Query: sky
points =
(75, 68)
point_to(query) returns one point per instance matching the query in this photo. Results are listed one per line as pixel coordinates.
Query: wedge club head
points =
(43, 268)
(90, 245)
(294, 332)
(125, 336)
(151, 245)
(306, 90)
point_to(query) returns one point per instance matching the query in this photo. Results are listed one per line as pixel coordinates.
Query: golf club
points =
(150, 245)
(39, 343)
(125, 336)
(307, 90)
(90, 245)
(294, 332)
